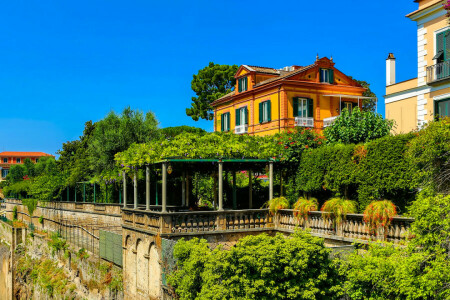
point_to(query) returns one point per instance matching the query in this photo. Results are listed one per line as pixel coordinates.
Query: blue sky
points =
(66, 62)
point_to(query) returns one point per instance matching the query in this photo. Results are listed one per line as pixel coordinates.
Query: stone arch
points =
(141, 267)
(127, 242)
(154, 272)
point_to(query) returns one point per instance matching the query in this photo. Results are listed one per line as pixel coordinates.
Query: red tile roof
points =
(24, 154)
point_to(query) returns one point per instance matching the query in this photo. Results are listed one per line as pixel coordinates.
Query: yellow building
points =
(266, 100)
(414, 102)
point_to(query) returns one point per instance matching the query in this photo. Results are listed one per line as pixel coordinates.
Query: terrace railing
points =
(438, 72)
(304, 122)
(353, 228)
(329, 121)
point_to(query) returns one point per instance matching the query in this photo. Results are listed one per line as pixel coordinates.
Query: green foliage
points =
(258, 267)
(385, 172)
(367, 104)
(15, 212)
(57, 243)
(276, 204)
(303, 206)
(338, 208)
(41, 220)
(115, 133)
(430, 154)
(210, 83)
(16, 173)
(379, 214)
(357, 127)
(419, 271)
(82, 253)
(170, 132)
(31, 204)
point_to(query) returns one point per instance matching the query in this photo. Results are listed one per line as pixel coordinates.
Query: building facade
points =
(10, 158)
(414, 102)
(266, 100)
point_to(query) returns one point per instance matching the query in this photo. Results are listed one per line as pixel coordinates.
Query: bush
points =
(338, 208)
(276, 204)
(258, 267)
(379, 214)
(41, 220)
(15, 213)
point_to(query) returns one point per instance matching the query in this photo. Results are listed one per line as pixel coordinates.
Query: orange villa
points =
(266, 100)
(7, 159)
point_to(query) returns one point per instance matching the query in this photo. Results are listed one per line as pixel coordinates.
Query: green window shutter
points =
(310, 108)
(295, 105)
(331, 74)
(238, 117)
(269, 111)
(320, 74)
(260, 112)
(221, 119)
(245, 84)
(246, 115)
(447, 45)
(239, 85)
(228, 121)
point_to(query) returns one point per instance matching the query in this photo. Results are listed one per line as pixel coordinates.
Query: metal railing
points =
(240, 129)
(304, 121)
(438, 72)
(329, 121)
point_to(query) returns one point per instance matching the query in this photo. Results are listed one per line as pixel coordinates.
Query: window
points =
(442, 46)
(264, 111)
(442, 108)
(18, 160)
(5, 173)
(303, 107)
(242, 84)
(5, 160)
(242, 116)
(225, 122)
(348, 105)
(326, 75)
(37, 159)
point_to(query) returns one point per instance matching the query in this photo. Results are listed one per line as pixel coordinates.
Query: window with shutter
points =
(264, 111)
(242, 84)
(442, 108)
(326, 75)
(246, 115)
(260, 112)
(238, 117)
(310, 108)
(295, 106)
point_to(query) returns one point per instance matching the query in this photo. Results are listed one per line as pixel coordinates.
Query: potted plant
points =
(302, 208)
(379, 214)
(276, 204)
(337, 209)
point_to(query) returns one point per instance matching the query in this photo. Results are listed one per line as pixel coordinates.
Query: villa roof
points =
(24, 154)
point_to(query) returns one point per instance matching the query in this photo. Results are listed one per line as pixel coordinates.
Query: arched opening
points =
(154, 286)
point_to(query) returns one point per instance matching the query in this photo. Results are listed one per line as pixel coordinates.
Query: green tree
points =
(16, 173)
(29, 166)
(258, 267)
(358, 127)
(367, 104)
(115, 133)
(209, 84)
(170, 132)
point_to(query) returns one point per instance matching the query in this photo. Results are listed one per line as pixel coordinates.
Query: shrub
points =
(15, 213)
(379, 214)
(303, 206)
(258, 267)
(56, 243)
(338, 208)
(276, 204)
(41, 219)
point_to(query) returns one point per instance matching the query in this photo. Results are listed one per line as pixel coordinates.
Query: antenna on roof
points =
(317, 57)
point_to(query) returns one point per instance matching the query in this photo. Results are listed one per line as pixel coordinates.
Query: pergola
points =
(198, 165)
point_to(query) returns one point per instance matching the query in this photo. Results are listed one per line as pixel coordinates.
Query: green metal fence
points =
(110, 244)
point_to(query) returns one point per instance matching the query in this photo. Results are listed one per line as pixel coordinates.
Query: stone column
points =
(271, 180)
(147, 188)
(220, 185)
(124, 182)
(164, 187)
(135, 190)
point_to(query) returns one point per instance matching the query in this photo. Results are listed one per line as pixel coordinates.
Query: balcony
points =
(304, 122)
(329, 121)
(241, 129)
(438, 72)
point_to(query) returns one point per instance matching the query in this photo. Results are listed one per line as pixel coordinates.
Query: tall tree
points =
(210, 83)
(115, 133)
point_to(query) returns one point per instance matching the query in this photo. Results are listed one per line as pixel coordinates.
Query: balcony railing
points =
(304, 121)
(438, 72)
(241, 129)
(329, 121)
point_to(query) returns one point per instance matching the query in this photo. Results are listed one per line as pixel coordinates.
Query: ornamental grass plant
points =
(338, 208)
(379, 214)
(303, 206)
(276, 204)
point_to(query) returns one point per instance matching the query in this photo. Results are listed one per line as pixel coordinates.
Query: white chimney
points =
(390, 69)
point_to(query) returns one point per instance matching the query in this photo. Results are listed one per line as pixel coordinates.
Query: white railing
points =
(304, 121)
(328, 121)
(241, 129)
